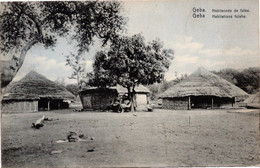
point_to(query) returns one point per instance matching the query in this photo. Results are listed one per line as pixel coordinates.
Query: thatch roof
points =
(122, 90)
(253, 98)
(138, 89)
(35, 86)
(204, 83)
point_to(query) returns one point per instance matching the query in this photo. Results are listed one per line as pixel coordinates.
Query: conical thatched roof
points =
(122, 90)
(254, 98)
(138, 89)
(204, 83)
(36, 86)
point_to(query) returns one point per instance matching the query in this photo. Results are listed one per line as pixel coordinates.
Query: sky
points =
(208, 42)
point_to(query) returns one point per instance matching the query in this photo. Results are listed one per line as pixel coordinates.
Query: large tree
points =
(24, 24)
(130, 62)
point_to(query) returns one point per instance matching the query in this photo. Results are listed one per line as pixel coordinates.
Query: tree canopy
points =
(24, 24)
(130, 62)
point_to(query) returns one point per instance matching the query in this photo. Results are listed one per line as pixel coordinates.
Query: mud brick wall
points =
(86, 101)
(175, 103)
(101, 101)
(98, 99)
(19, 106)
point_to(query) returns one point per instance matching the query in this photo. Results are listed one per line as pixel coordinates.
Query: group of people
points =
(120, 105)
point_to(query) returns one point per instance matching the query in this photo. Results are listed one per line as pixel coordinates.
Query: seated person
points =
(116, 105)
(126, 106)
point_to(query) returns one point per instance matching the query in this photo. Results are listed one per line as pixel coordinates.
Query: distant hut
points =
(100, 98)
(253, 100)
(142, 94)
(34, 92)
(202, 89)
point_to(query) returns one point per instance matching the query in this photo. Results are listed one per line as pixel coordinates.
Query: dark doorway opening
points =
(210, 102)
(46, 104)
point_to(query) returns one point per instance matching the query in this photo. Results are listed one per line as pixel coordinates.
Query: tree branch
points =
(33, 19)
(10, 68)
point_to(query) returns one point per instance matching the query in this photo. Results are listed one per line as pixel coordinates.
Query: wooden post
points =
(48, 105)
(189, 104)
(36, 105)
(234, 101)
(212, 103)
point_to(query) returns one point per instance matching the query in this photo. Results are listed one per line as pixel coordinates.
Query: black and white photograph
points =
(120, 83)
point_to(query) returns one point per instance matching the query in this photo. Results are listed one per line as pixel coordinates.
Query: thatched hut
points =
(253, 100)
(141, 96)
(202, 89)
(34, 92)
(100, 98)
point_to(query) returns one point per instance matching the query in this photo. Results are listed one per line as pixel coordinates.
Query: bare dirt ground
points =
(159, 138)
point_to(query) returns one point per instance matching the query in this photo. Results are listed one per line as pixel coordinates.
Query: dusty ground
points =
(159, 138)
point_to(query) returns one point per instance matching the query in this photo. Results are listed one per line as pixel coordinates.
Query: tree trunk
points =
(10, 68)
(132, 104)
(38, 123)
(78, 80)
(132, 99)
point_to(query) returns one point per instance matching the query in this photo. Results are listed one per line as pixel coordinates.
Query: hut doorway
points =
(210, 102)
(201, 102)
(46, 104)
